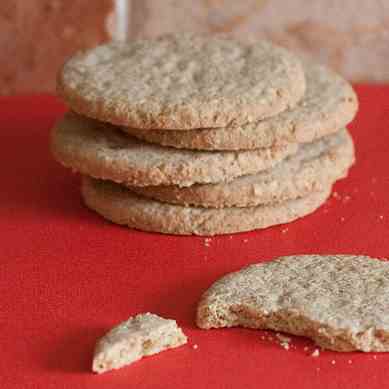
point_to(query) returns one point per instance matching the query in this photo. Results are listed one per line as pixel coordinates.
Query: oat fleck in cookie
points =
(139, 336)
(182, 81)
(339, 301)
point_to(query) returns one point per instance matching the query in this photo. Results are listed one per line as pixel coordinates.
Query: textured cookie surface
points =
(339, 301)
(139, 336)
(121, 206)
(314, 167)
(102, 151)
(328, 105)
(181, 82)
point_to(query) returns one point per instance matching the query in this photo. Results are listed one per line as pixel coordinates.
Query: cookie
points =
(182, 81)
(339, 301)
(118, 204)
(328, 105)
(139, 336)
(313, 168)
(102, 151)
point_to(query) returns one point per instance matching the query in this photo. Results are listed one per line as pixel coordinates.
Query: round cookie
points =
(339, 301)
(329, 104)
(119, 205)
(313, 168)
(102, 151)
(182, 81)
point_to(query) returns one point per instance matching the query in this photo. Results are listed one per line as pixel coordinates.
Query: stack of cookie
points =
(203, 135)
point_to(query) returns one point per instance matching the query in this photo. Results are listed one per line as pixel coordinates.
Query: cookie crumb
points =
(245, 240)
(284, 341)
(306, 348)
(350, 361)
(283, 338)
(285, 230)
(342, 219)
(139, 336)
(316, 353)
(381, 217)
(333, 362)
(285, 345)
(336, 195)
(195, 346)
(374, 356)
(207, 242)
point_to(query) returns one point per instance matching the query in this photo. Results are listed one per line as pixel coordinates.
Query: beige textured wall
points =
(36, 36)
(351, 36)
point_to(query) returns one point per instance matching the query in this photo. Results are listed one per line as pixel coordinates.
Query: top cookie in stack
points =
(203, 135)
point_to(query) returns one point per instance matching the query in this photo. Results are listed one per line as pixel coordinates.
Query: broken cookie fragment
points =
(139, 336)
(341, 302)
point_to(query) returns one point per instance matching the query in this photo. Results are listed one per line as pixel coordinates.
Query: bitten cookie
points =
(339, 301)
(102, 151)
(139, 336)
(313, 168)
(119, 205)
(328, 105)
(182, 81)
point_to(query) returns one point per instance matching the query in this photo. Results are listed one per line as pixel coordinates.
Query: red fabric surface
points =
(66, 275)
